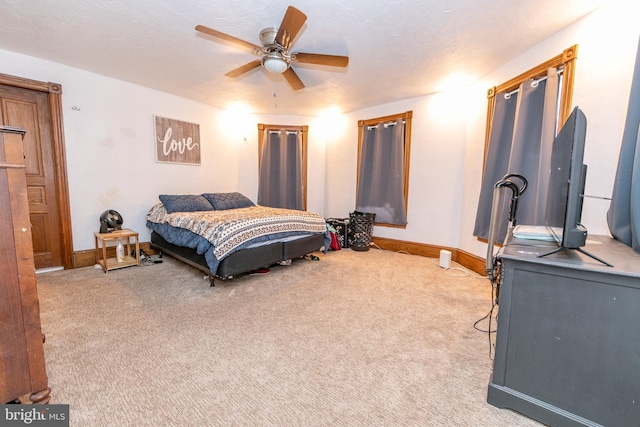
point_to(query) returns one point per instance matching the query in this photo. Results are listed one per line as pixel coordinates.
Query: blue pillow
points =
(185, 203)
(224, 201)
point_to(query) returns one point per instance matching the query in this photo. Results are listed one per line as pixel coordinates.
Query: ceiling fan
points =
(274, 53)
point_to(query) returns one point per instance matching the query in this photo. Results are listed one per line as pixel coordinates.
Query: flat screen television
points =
(567, 176)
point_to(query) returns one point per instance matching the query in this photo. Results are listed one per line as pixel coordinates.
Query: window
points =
(523, 117)
(565, 62)
(282, 166)
(382, 185)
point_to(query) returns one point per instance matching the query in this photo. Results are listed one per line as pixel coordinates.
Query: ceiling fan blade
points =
(243, 69)
(291, 24)
(227, 37)
(318, 58)
(292, 78)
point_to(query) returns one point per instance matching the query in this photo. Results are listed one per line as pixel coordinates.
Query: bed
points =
(226, 235)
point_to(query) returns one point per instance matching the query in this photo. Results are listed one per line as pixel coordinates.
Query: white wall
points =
(109, 140)
(448, 138)
(437, 156)
(111, 162)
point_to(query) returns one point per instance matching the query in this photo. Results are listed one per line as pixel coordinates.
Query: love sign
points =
(177, 141)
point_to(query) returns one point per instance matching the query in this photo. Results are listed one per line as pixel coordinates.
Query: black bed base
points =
(243, 260)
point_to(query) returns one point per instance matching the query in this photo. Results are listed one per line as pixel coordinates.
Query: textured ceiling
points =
(398, 49)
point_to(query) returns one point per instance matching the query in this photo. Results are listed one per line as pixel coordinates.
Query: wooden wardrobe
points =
(22, 364)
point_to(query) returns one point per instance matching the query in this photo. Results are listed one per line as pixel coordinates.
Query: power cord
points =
(496, 278)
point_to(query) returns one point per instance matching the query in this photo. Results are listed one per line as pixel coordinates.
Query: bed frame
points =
(244, 260)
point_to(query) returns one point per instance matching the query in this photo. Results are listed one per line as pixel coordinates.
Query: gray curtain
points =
(381, 173)
(520, 142)
(623, 216)
(280, 181)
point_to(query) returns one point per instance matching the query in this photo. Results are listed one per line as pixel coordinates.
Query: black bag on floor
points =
(341, 226)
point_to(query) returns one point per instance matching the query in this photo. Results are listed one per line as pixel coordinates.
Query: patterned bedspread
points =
(230, 229)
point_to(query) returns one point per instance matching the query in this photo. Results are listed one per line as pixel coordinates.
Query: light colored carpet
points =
(356, 339)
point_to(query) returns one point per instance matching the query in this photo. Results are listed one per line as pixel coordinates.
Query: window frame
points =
(407, 116)
(304, 130)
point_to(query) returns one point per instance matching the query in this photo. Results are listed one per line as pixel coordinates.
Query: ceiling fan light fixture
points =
(274, 63)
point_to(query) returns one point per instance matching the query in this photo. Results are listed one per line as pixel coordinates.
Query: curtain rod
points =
(386, 125)
(289, 132)
(534, 83)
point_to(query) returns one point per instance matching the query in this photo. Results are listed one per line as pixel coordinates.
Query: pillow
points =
(224, 201)
(185, 203)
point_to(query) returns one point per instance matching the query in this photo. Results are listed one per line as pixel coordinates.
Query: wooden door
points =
(29, 110)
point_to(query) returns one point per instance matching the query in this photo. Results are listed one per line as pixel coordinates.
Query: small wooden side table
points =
(111, 263)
